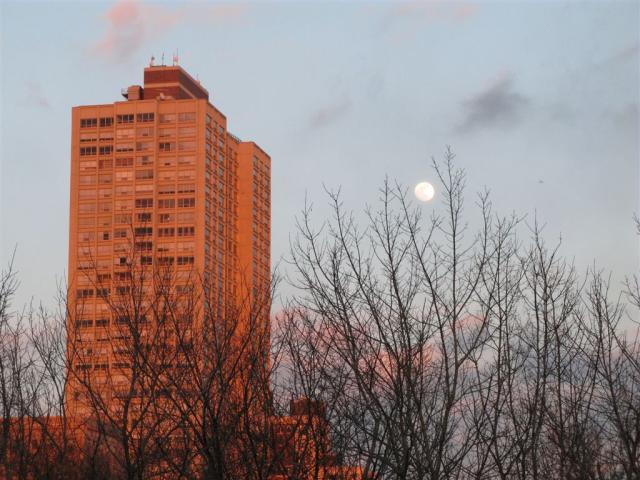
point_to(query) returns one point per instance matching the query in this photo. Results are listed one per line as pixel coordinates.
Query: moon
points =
(424, 191)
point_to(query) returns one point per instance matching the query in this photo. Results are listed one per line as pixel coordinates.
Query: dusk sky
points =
(539, 101)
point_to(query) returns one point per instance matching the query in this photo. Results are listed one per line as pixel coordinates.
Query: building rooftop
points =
(166, 82)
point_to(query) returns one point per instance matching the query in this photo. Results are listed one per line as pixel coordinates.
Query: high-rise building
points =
(158, 183)
(168, 330)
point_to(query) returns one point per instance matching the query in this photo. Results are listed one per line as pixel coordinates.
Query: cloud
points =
(627, 117)
(133, 24)
(422, 12)
(130, 25)
(496, 105)
(628, 53)
(329, 114)
(35, 96)
(465, 11)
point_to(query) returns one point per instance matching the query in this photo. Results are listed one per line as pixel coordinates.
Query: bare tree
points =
(443, 353)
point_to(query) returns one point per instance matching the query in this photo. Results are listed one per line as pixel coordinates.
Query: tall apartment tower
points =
(157, 179)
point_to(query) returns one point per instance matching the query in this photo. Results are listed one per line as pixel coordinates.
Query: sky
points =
(539, 101)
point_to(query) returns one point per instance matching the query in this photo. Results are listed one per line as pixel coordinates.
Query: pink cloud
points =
(130, 25)
(133, 24)
(465, 11)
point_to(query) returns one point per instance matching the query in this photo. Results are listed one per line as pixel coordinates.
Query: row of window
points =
(126, 190)
(139, 147)
(92, 207)
(127, 176)
(127, 218)
(89, 151)
(140, 118)
(187, 231)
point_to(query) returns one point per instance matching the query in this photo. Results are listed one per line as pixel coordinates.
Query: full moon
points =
(424, 191)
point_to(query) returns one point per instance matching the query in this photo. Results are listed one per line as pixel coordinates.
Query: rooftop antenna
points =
(152, 61)
(163, 59)
(176, 59)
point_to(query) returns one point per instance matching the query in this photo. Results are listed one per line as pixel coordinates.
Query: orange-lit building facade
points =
(157, 179)
(159, 185)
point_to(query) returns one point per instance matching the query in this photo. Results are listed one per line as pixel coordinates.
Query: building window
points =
(167, 146)
(86, 236)
(124, 162)
(106, 150)
(143, 231)
(124, 176)
(105, 164)
(143, 146)
(124, 147)
(123, 204)
(87, 194)
(186, 202)
(146, 117)
(124, 190)
(85, 293)
(144, 246)
(165, 261)
(186, 217)
(106, 178)
(186, 175)
(186, 231)
(167, 117)
(88, 137)
(122, 219)
(87, 208)
(167, 203)
(165, 218)
(166, 190)
(146, 260)
(102, 292)
(144, 175)
(144, 202)
(184, 261)
(127, 118)
(124, 133)
(84, 323)
(145, 132)
(144, 217)
(84, 151)
(88, 122)
(106, 121)
(187, 131)
(186, 146)
(186, 117)
(166, 232)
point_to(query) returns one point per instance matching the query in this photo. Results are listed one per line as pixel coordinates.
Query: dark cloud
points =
(35, 96)
(496, 105)
(329, 114)
(628, 53)
(627, 117)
